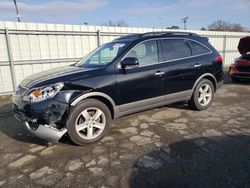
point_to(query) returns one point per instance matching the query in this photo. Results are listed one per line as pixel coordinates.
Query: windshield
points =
(102, 55)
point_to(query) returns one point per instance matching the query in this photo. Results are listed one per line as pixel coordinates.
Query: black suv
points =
(130, 74)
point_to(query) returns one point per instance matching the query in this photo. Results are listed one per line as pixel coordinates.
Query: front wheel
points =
(203, 95)
(88, 122)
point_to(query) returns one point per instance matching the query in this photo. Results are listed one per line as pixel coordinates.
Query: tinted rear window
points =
(198, 49)
(175, 49)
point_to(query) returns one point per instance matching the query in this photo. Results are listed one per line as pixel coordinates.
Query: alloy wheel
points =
(90, 123)
(205, 94)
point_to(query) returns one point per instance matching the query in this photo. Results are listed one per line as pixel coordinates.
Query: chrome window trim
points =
(160, 62)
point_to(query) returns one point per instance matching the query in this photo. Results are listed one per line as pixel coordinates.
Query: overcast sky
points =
(136, 13)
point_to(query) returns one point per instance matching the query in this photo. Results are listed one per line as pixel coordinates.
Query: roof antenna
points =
(17, 13)
(184, 20)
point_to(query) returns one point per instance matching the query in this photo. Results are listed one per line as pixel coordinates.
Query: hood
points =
(56, 75)
(244, 45)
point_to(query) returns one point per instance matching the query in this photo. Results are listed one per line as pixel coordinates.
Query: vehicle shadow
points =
(15, 129)
(215, 162)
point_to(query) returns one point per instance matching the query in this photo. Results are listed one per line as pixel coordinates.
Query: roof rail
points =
(162, 33)
(129, 36)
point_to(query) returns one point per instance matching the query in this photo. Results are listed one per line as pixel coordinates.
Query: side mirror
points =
(130, 62)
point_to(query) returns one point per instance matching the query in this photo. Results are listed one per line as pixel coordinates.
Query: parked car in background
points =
(240, 69)
(130, 74)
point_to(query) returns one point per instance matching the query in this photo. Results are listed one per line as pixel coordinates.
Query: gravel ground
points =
(171, 146)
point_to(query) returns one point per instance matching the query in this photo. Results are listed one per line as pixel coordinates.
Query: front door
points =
(142, 85)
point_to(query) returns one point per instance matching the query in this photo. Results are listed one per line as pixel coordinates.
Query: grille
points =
(243, 68)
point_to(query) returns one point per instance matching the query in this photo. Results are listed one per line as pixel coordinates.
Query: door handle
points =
(159, 73)
(197, 65)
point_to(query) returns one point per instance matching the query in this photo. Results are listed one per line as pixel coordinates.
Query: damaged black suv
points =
(130, 74)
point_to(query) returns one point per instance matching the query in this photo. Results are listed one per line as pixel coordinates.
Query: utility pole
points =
(17, 13)
(184, 20)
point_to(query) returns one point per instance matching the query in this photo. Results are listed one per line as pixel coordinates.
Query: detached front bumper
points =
(43, 119)
(46, 132)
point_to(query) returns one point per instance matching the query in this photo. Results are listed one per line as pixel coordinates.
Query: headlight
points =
(43, 93)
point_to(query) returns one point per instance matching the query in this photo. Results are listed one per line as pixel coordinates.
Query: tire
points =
(234, 79)
(197, 101)
(82, 125)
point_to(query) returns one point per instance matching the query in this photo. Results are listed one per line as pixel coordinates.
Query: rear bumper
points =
(233, 72)
(241, 76)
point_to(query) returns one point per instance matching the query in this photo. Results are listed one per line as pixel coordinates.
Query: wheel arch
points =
(208, 76)
(107, 100)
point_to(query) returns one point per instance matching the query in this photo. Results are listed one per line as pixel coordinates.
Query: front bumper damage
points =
(46, 132)
(44, 119)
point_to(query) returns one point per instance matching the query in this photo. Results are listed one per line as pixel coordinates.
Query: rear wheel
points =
(202, 96)
(88, 122)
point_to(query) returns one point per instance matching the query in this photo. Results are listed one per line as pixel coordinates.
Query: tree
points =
(203, 29)
(221, 25)
(173, 27)
(118, 23)
(237, 27)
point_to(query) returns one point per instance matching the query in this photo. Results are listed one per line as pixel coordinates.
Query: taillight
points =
(219, 59)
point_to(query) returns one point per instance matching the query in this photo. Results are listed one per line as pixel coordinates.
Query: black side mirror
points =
(129, 62)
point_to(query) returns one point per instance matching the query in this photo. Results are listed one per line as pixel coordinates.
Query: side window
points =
(197, 48)
(146, 53)
(175, 49)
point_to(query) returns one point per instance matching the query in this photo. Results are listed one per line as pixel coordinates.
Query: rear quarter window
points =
(197, 48)
(173, 49)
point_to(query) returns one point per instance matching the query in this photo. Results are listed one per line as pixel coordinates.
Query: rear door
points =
(181, 69)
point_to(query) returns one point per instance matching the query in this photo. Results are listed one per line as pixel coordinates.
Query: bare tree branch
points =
(118, 23)
(221, 25)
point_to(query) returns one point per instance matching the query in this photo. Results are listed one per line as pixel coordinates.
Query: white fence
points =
(28, 48)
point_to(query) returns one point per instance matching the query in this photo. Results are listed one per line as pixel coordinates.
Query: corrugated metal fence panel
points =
(35, 52)
(5, 79)
(3, 48)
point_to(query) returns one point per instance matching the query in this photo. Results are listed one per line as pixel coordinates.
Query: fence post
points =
(12, 69)
(224, 48)
(98, 38)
